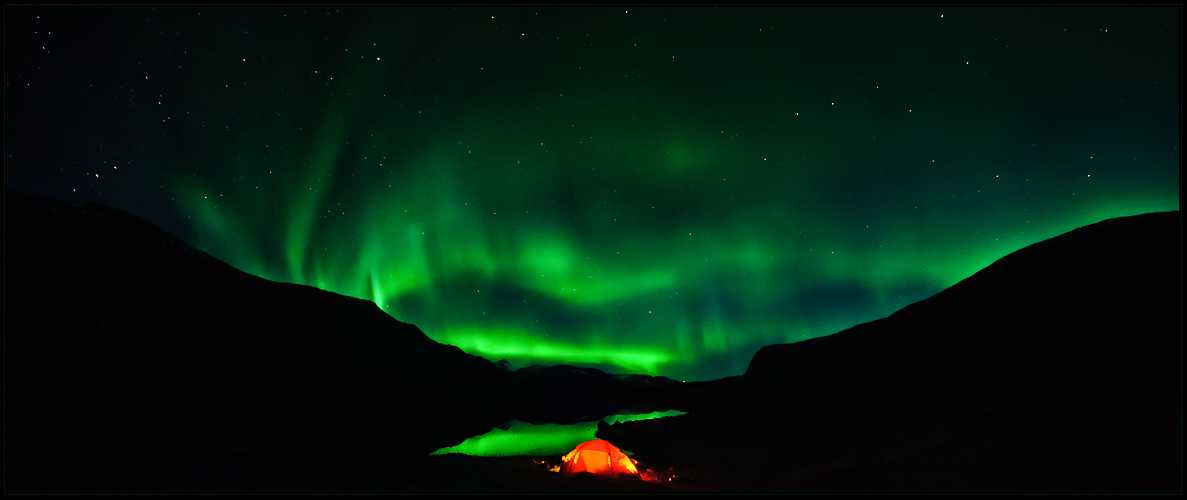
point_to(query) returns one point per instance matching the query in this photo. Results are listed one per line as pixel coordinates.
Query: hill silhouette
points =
(136, 362)
(1055, 369)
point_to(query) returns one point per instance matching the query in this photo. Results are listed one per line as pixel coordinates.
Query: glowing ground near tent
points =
(523, 439)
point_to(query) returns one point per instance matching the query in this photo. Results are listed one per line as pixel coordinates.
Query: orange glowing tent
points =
(597, 457)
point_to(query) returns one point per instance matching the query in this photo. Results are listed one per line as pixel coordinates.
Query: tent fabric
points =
(597, 457)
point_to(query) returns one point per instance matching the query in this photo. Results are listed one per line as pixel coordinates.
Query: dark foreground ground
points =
(461, 473)
(176, 460)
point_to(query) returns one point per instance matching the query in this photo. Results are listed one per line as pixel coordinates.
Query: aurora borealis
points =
(645, 190)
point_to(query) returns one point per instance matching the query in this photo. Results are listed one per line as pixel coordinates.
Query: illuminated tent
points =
(597, 457)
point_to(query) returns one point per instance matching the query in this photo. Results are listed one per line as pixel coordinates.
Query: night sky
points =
(644, 190)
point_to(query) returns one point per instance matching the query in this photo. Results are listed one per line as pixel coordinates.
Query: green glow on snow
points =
(522, 438)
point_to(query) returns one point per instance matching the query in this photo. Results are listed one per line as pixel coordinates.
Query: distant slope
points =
(1057, 368)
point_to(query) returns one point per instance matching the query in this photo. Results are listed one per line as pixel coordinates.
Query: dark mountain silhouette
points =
(1056, 369)
(566, 394)
(135, 362)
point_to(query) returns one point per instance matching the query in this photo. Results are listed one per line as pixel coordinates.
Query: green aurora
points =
(657, 191)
